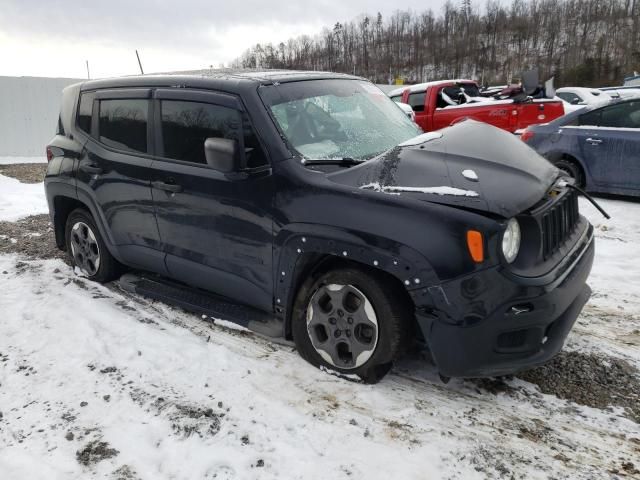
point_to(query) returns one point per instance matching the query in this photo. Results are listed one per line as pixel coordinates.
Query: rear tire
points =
(351, 321)
(571, 168)
(87, 250)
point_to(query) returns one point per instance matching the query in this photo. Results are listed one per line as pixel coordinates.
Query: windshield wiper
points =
(346, 161)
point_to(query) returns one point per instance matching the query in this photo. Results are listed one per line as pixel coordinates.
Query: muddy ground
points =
(32, 237)
(25, 172)
(592, 380)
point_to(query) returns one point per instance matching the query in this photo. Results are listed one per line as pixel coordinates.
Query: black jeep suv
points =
(305, 205)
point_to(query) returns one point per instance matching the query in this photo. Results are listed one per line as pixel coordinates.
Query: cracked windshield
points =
(337, 119)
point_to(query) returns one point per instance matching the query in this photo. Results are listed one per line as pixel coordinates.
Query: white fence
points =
(29, 108)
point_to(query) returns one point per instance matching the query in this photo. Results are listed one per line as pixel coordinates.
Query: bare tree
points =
(585, 42)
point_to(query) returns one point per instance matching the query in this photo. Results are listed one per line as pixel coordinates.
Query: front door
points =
(215, 228)
(114, 172)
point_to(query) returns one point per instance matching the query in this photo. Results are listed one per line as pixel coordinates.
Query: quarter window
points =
(591, 118)
(123, 124)
(84, 111)
(254, 153)
(416, 100)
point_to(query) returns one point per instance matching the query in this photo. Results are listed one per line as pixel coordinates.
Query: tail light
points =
(49, 154)
(527, 135)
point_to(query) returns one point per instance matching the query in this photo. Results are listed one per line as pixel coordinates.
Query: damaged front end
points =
(515, 309)
(501, 319)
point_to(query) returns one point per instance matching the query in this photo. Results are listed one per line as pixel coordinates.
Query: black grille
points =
(558, 222)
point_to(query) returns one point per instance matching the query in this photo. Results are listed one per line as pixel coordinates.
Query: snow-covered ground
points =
(19, 200)
(97, 383)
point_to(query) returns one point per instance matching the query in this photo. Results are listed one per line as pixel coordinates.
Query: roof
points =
(420, 87)
(633, 80)
(214, 78)
(624, 87)
(594, 91)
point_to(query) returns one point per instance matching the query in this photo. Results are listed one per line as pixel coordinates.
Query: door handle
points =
(167, 186)
(594, 141)
(89, 168)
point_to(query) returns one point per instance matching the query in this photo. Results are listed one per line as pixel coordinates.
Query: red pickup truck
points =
(443, 103)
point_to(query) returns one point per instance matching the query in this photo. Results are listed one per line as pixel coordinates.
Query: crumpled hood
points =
(470, 164)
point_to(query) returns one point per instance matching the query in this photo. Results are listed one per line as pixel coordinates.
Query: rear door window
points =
(123, 124)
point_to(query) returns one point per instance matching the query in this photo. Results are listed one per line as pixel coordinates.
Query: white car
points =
(622, 92)
(581, 95)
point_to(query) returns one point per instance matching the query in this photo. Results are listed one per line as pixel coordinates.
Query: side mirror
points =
(575, 101)
(221, 154)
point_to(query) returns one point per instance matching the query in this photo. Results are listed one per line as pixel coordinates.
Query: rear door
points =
(216, 228)
(611, 144)
(114, 172)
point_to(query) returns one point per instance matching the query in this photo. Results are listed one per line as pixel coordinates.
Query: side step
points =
(204, 303)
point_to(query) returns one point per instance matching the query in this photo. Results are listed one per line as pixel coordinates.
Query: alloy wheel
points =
(85, 249)
(342, 325)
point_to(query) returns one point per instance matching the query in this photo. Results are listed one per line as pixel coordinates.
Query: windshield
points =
(336, 119)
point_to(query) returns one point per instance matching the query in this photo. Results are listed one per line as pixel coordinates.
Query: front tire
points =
(351, 321)
(572, 169)
(86, 248)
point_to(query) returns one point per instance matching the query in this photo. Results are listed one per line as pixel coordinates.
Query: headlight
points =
(511, 240)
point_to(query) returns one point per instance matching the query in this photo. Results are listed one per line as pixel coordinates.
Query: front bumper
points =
(493, 323)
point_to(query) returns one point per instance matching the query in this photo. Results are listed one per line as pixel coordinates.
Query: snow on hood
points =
(435, 190)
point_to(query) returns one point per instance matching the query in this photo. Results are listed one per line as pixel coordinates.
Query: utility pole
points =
(139, 62)
(88, 76)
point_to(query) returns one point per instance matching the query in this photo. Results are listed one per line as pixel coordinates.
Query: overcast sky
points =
(55, 37)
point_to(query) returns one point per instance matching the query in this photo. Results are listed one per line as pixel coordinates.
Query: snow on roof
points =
(586, 90)
(420, 87)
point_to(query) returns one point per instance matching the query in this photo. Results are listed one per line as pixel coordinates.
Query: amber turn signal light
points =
(476, 245)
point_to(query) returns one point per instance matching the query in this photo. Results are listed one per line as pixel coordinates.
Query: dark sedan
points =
(598, 145)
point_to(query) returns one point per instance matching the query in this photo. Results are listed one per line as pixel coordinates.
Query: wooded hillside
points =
(580, 42)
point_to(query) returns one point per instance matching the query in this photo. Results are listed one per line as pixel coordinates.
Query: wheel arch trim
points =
(302, 249)
(57, 191)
